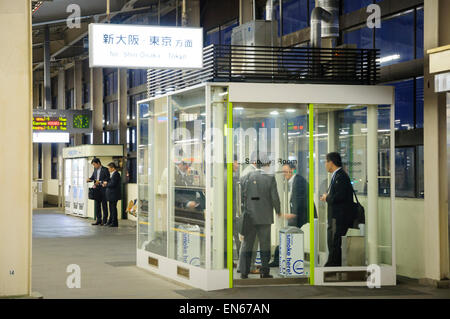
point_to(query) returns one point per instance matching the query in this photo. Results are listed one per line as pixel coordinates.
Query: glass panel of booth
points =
(271, 143)
(153, 176)
(362, 136)
(187, 172)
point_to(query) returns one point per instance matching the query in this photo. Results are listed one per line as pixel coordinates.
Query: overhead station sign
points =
(62, 121)
(136, 46)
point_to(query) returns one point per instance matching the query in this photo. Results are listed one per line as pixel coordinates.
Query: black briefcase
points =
(94, 194)
(359, 216)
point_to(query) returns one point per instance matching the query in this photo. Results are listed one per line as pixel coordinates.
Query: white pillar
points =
(218, 202)
(15, 148)
(372, 189)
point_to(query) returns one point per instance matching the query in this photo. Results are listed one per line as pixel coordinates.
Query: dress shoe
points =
(266, 276)
(244, 276)
(96, 223)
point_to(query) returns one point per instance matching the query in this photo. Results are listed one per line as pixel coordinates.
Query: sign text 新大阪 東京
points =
(136, 46)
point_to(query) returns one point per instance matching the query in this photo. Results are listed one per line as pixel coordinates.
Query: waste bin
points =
(292, 257)
(188, 244)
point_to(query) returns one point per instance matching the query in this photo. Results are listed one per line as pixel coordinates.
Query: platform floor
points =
(107, 258)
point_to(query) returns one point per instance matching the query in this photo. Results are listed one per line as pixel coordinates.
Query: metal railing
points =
(226, 63)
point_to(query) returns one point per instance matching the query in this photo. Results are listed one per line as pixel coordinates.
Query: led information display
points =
(58, 121)
(136, 46)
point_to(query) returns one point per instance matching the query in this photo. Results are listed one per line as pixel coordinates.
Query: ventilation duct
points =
(324, 21)
(269, 10)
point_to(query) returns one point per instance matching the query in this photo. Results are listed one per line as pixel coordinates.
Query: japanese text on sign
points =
(114, 45)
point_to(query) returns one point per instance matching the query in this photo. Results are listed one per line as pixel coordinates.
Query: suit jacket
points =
(340, 198)
(104, 177)
(113, 188)
(260, 197)
(299, 202)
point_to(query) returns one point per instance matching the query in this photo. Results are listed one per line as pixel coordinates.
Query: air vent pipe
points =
(324, 21)
(269, 10)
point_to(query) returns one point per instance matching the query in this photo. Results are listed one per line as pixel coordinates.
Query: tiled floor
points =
(107, 258)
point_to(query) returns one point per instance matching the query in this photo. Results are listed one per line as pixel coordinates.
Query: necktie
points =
(331, 183)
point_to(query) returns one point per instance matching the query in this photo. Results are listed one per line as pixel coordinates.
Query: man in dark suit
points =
(100, 175)
(298, 203)
(339, 199)
(113, 193)
(259, 199)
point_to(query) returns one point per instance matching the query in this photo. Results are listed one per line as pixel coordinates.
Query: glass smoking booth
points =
(196, 145)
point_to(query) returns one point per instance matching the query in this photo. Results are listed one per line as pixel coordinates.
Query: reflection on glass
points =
(187, 178)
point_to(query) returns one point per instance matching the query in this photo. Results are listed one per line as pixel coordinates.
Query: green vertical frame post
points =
(311, 193)
(230, 191)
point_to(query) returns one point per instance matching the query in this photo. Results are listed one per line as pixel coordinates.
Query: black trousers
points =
(263, 233)
(113, 212)
(99, 204)
(336, 229)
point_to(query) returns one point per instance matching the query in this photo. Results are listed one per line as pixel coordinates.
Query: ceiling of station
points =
(67, 43)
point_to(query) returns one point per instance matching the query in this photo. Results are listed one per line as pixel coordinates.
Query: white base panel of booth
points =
(387, 276)
(207, 280)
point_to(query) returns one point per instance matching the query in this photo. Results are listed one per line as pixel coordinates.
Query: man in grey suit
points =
(259, 199)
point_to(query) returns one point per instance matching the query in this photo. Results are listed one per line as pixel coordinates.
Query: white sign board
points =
(46, 137)
(137, 46)
(442, 82)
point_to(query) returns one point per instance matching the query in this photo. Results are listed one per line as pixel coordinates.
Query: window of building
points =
(396, 38)
(132, 170)
(111, 137)
(136, 78)
(87, 138)
(362, 37)
(404, 105)
(409, 100)
(132, 104)
(131, 139)
(110, 83)
(295, 15)
(352, 5)
(405, 175)
(221, 34)
(54, 161)
(419, 33)
(419, 102)
(111, 113)
(70, 99)
(86, 93)
(39, 161)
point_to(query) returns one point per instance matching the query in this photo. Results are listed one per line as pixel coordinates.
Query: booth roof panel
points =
(310, 93)
(92, 151)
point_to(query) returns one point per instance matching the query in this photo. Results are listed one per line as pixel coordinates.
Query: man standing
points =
(339, 199)
(298, 203)
(259, 199)
(100, 175)
(113, 193)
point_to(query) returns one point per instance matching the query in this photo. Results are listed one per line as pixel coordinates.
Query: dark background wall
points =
(217, 12)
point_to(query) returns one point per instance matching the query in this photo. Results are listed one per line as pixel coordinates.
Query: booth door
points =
(273, 141)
